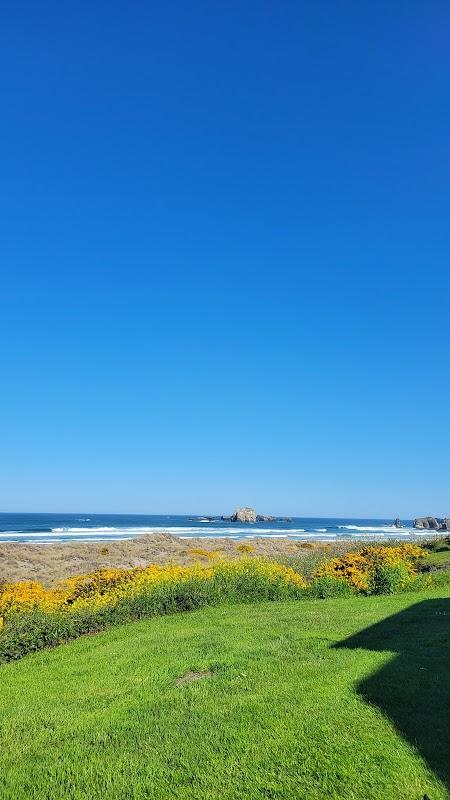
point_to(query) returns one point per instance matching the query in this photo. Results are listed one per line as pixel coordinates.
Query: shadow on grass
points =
(413, 689)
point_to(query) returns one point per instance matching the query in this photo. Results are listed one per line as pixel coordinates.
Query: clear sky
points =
(225, 257)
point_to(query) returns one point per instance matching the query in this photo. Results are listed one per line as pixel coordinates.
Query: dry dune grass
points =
(48, 563)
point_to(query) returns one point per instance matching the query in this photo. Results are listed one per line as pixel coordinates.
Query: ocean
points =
(46, 528)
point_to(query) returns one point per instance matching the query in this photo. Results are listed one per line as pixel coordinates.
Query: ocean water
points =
(46, 528)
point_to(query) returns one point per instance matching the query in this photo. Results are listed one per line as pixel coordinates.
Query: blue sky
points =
(225, 257)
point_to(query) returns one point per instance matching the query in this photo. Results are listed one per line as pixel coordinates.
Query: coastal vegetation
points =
(55, 561)
(33, 616)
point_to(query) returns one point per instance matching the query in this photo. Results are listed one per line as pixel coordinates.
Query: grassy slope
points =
(284, 715)
(441, 558)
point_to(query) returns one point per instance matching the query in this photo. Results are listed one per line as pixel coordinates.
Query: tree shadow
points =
(413, 689)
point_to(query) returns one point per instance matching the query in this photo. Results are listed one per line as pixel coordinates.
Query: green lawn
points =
(343, 699)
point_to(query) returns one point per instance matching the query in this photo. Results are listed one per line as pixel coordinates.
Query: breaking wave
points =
(377, 529)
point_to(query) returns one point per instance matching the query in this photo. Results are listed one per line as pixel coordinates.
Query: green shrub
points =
(329, 586)
(306, 563)
(439, 545)
(26, 633)
(439, 578)
(250, 585)
(389, 578)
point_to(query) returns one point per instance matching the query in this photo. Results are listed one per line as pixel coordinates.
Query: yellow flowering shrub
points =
(246, 548)
(358, 567)
(199, 552)
(106, 586)
(213, 555)
(271, 571)
(27, 595)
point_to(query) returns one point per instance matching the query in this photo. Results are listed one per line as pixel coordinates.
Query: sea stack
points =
(244, 514)
(432, 524)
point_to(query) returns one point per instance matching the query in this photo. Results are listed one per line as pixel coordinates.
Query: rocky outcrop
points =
(242, 515)
(426, 523)
(398, 523)
(432, 524)
(249, 515)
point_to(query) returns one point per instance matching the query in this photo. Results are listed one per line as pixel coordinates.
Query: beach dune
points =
(48, 563)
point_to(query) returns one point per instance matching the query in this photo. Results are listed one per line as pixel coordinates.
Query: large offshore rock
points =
(429, 523)
(244, 515)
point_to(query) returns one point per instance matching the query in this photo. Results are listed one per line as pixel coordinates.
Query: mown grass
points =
(342, 698)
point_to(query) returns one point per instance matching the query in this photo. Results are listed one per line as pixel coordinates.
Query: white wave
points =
(375, 528)
(183, 536)
(267, 536)
(379, 534)
(202, 530)
(87, 530)
(294, 536)
(21, 534)
(75, 533)
(365, 527)
(172, 529)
